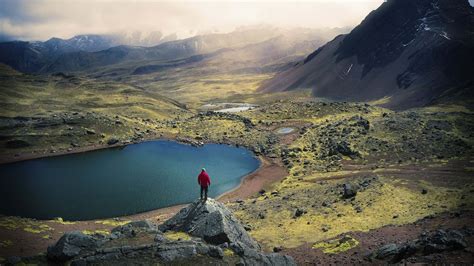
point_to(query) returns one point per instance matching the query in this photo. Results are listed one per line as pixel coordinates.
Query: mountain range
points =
(92, 52)
(403, 54)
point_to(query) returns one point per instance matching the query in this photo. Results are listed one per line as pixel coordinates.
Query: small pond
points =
(119, 181)
(285, 130)
(229, 107)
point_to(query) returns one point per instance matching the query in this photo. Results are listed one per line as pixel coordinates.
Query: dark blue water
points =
(119, 181)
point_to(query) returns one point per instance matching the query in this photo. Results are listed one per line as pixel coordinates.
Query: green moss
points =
(380, 203)
(228, 252)
(100, 232)
(36, 229)
(5, 243)
(112, 222)
(172, 235)
(27, 225)
(337, 245)
(60, 220)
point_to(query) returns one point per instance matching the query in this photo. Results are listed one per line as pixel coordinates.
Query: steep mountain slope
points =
(88, 43)
(23, 56)
(413, 53)
(32, 56)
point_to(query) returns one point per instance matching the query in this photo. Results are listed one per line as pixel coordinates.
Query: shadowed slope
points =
(415, 52)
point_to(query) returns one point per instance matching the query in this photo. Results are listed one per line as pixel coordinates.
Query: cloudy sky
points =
(43, 19)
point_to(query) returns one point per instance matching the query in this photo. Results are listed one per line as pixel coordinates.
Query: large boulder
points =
(72, 244)
(211, 221)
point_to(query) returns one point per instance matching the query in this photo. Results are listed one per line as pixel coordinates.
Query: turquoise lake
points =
(119, 181)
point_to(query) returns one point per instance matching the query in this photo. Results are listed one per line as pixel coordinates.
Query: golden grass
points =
(112, 222)
(100, 232)
(60, 220)
(380, 205)
(337, 245)
(174, 236)
(25, 224)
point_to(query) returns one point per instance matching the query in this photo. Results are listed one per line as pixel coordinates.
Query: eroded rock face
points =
(211, 221)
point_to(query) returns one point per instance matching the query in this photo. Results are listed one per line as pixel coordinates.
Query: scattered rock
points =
(277, 249)
(112, 141)
(386, 251)
(298, 213)
(348, 191)
(14, 260)
(428, 243)
(16, 144)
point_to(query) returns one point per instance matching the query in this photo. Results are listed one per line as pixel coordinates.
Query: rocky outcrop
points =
(216, 237)
(73, 244)
(211, 221)
(428, 243)
(192, 142)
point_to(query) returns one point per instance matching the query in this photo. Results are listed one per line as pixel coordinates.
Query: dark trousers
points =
(204, 189)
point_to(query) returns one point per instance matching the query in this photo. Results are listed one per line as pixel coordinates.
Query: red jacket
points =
(203, 179)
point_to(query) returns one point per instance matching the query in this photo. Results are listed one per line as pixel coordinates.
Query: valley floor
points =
(26, 237)
(404, 172)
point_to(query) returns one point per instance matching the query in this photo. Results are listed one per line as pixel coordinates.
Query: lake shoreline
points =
(32, 156)
(269, 172)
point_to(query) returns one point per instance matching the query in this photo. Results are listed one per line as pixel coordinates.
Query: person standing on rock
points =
(204, 181)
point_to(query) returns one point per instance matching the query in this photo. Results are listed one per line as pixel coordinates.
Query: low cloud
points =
(43, 19)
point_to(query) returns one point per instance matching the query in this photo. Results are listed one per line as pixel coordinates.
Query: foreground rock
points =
(73, 244)
(211, 221)
(211, 235)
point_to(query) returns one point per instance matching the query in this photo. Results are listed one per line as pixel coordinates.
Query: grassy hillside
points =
(46, 114)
